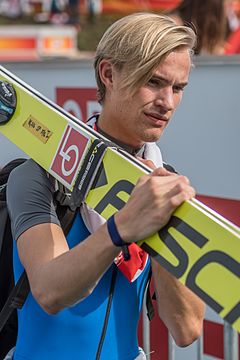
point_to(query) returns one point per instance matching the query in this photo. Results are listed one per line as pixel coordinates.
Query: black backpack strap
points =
(107, 314)
(19, 293)
(66, 217)
(149, 304)
(5, 172)
(15, 300)
(4, 217)
(66, 214)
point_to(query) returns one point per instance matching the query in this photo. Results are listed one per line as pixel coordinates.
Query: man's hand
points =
(151, 204)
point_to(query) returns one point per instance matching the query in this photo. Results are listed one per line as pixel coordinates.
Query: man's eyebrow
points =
(166, 81)
(181, 84)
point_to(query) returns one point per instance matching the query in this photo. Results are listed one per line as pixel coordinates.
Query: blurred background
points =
(216, 21)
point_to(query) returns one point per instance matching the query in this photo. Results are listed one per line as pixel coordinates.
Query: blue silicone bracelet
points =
(114, 234)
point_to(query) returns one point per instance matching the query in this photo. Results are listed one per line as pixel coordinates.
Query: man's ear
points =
(105, 72)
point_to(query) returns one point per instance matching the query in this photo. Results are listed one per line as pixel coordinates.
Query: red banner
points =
(126, 6)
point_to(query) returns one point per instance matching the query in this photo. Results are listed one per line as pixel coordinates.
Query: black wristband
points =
(114, 234)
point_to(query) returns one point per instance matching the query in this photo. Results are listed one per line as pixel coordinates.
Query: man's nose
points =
(165, 99)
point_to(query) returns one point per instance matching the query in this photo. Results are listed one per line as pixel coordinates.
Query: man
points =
(142, 65)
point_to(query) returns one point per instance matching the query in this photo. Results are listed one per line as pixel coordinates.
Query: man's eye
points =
(153, 82)
(177, 89)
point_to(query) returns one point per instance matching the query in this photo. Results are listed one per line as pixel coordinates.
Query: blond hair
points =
(138, 43)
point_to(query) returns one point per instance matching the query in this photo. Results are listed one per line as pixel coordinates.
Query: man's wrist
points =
(114, 233)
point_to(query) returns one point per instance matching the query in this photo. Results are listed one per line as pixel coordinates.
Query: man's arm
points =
(179, 308)
(60, 277)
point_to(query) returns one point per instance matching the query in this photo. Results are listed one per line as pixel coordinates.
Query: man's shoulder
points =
(28, 178)
(28, 169)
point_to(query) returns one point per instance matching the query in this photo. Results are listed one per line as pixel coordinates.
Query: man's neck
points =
(133, 150)
(130, 149)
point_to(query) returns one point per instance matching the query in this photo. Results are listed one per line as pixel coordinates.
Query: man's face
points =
(143, 117)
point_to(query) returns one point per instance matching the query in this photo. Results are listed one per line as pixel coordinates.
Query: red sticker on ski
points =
(69, 154)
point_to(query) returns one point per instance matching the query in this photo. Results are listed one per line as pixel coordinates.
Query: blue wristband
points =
(114, 234)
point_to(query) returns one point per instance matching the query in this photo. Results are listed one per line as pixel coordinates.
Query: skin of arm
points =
(59, 276)
(179, 308)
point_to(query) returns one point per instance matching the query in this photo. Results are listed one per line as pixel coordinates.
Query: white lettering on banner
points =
(80, 102)
(73, 107)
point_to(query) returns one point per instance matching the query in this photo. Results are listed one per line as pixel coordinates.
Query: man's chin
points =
(152, 136)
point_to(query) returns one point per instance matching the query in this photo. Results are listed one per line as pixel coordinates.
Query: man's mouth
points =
(157, 119)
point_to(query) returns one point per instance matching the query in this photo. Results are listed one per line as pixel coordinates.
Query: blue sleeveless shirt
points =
(74, 333)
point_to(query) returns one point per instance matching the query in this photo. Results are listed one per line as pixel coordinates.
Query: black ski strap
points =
(88, 171)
